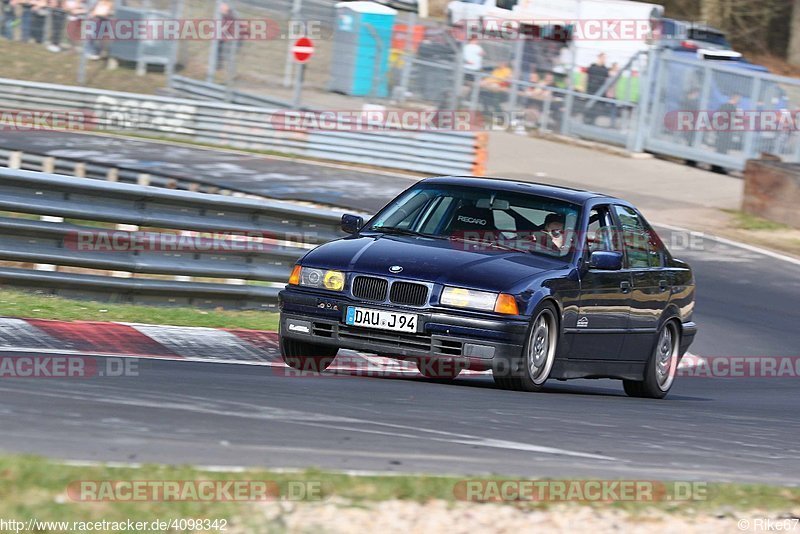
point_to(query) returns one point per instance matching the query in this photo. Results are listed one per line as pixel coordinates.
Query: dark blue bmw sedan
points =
(530, 281)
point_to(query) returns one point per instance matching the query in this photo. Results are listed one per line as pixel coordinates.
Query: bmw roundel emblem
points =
(396, 269)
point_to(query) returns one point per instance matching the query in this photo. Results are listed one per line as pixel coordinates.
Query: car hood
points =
(432, 260)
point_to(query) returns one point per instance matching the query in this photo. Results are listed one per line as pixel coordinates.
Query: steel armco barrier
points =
(434, 152)
(44, 217)
(113, 172)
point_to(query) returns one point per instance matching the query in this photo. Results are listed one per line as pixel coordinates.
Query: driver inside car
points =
(554, 231)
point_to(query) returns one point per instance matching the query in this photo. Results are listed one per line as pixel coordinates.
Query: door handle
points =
(662, 285)
(625, 286)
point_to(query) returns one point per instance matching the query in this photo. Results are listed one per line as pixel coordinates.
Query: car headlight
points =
(321, 278)
(479, 300)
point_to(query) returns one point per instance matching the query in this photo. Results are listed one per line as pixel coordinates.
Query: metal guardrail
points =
(215, 92)
(241, 240)
(256, 128)
(112, 172)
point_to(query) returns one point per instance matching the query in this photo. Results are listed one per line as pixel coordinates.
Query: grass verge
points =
(754, 230)
(32, 305)
(746, 221)
(46, 490)
(32, 62)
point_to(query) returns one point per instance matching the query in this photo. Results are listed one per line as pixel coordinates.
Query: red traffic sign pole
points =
(302, 50)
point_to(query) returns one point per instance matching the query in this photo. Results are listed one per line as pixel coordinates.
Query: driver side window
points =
(600, 234)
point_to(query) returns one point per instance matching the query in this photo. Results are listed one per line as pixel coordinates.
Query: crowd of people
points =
(46, 21)
(540, 87)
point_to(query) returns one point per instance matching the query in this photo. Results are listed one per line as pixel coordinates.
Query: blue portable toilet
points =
(361, 44)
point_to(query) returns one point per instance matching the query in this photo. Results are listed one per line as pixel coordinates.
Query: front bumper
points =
(461, 336)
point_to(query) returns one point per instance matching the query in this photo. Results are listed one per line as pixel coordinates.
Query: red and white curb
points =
(213, 345)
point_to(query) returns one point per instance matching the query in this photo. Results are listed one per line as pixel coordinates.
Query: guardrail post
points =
(49, 164)
(15, 160)
(112, 175)
(48, 266)
(408, 51)
(750, 135)
(80, 170)
(646, 91)
(545, 117)
(124, 228)
(519, 49)
(143, 179)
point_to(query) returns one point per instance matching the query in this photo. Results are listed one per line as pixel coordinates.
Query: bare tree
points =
(793, 51)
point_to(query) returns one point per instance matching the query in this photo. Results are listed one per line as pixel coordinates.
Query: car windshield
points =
(708, 36)
(490, 219)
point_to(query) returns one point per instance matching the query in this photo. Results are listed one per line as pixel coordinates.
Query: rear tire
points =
(531, 370)
(305, 356)
(659, 374)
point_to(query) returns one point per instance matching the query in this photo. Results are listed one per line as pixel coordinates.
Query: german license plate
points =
(385, 320)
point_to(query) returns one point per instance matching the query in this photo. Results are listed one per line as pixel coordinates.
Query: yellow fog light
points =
(334, 280)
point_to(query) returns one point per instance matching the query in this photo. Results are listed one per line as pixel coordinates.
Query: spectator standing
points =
(39, 12)
(473, 59)
(9, 19)
(58, 20)
(725, 138)
(26, 7)
(596, 76)
(227, 14)
(76, 12)
(102, 12)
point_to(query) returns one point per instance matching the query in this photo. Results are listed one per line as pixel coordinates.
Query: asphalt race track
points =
(742, 429)
(273, 177)
(217, 414)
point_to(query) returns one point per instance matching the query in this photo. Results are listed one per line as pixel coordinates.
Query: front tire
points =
(531, 371)
(305, 356)
(659, 374)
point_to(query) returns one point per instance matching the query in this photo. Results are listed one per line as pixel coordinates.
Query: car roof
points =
(575, 196)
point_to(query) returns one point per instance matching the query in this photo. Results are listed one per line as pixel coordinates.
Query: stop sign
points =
(303, 49)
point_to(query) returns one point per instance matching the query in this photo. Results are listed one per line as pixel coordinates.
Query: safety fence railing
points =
(132, 243)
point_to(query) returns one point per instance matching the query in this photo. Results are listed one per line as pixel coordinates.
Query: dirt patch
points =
(404, 517)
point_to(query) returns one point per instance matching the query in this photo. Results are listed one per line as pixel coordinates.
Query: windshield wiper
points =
(395, 230)
(489, 242)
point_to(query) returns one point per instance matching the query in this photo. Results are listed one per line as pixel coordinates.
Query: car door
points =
(650, 283)
(604, 307)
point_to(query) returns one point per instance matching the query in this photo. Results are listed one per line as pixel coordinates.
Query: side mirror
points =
(351, 223)
(606, 261)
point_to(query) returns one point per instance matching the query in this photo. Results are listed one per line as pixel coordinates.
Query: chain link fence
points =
(363, 61)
